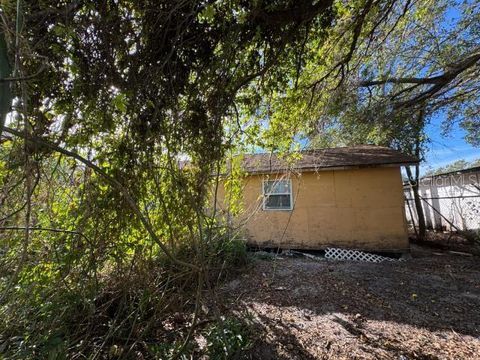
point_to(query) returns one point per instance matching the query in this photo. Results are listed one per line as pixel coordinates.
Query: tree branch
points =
(455, 69)
(24, 78)
(23, 228)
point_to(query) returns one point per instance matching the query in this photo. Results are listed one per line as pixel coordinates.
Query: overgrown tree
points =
(109, 96)
(105, 233)
(381, 80)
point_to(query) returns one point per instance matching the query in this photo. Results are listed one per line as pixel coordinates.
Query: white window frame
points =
(264, 196)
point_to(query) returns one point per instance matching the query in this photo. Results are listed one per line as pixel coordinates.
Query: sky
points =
(444, 150)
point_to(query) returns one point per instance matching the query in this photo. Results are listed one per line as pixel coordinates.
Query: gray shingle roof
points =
(324, 159)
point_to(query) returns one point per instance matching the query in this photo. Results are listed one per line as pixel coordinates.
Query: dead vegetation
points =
(465, 241)
(422, 308)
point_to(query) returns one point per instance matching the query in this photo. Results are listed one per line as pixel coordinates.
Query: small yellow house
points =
(350, 197)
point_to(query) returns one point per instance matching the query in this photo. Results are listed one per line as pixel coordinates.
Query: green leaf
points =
(120, 103)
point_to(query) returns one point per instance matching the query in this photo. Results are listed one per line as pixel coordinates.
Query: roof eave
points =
(330, 168)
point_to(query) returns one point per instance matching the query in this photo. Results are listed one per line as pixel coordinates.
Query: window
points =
(277, 195)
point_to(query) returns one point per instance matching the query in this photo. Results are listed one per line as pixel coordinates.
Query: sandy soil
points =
(427, 307)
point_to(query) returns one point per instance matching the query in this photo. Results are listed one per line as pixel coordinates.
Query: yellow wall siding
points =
(361, 209)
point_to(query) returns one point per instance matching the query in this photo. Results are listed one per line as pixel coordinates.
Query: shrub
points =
(229, 339)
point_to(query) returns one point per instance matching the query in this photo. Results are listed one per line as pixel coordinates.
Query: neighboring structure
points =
(451, 201)
(348, 197)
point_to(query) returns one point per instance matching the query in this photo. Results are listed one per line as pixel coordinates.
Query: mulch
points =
(427, 307)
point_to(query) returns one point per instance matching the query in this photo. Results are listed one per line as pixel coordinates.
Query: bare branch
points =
(23, 228)
(455, 69)
(27, 77)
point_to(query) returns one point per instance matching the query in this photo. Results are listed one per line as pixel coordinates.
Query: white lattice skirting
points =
(354, 255)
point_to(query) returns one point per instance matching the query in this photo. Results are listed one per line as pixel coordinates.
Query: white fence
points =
(448, 199)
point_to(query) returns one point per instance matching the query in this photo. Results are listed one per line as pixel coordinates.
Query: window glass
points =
(277, 195)
(276, 187)
(277, 202)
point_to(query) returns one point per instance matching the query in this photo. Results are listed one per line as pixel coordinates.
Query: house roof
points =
(328, 159)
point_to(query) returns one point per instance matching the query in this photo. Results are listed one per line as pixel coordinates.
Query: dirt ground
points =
(427, 307)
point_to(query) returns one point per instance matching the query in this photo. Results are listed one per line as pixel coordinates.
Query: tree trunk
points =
(5, 72)
(413, 181)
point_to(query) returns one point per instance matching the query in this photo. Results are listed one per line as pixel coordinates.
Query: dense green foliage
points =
(106, 233)
(420, 60)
